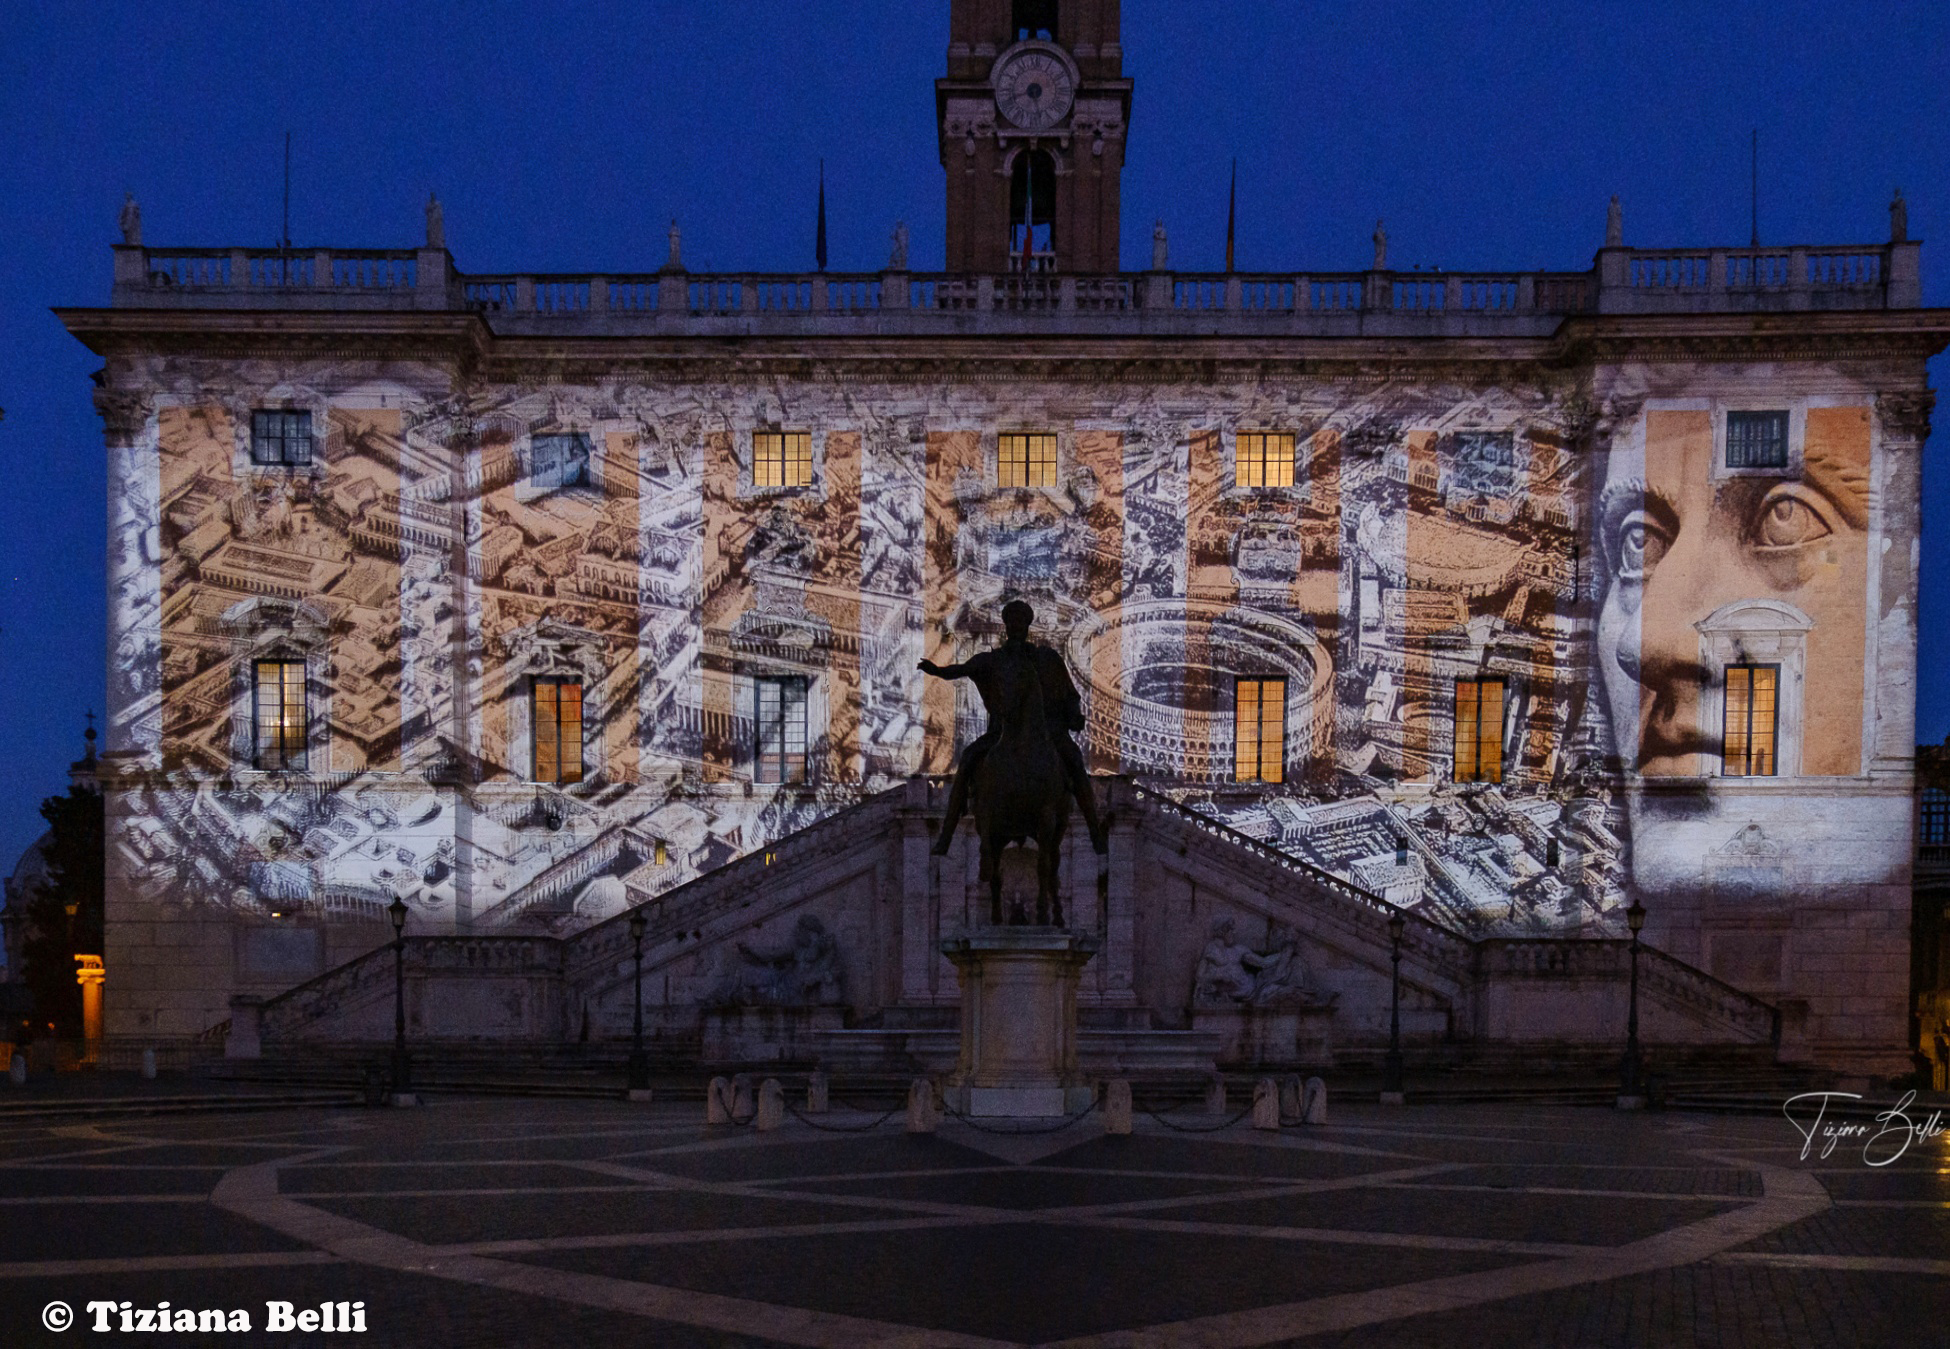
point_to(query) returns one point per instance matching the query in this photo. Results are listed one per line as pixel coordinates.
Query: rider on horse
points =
(1061, 705)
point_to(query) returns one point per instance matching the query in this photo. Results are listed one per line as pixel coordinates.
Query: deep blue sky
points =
(567, 136)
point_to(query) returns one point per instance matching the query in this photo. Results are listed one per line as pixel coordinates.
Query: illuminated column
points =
(90, 977)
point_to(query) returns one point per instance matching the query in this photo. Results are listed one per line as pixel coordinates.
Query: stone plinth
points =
(1018, 1021)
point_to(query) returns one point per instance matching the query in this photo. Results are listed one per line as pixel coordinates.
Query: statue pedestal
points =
(1018, 1021)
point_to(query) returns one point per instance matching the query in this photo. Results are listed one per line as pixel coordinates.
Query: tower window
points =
(558, 461)
(1757, 439)
(780, 755)
(1479, 730)
(1263, 459)
(1748, 723)
(1035, 19)
(782, 459)
(279, 437)
(1259, 730)
(1025, 459)
(1032, 211)
(279, 715)
(558, 730)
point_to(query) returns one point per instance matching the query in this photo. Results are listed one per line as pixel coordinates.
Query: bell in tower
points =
(1032, 116)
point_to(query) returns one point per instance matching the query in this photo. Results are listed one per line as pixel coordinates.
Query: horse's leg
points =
(1049, 858)
(991, 871)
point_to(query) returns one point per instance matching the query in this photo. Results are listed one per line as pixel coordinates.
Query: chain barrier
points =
(868, 1127)
(1194, 1128)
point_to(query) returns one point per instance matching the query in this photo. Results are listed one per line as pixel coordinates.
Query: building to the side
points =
(1505, 598)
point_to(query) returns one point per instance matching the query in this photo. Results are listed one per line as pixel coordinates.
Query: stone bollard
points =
(1117, 1107)
(771, 1106)
(148, 1065)
(742, 1104)
(1290, 1098)
(17, 1070)
(1215, 1096)
(1313, 1106)
(920, 1107)
(1266, 1104)
(818, 1088)
(717, 1101)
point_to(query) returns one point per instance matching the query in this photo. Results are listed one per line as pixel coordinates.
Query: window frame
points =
(1260, 441)
(789, 446)
(1476, 742)
(1031, 442)
(1772, 759)
(1260, 684)
(1783, 417)
(775, 769)
(285, 439)
(530, 471)
(287, 761)
(555, 724)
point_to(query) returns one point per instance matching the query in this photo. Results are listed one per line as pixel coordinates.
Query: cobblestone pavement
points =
(495, 1222)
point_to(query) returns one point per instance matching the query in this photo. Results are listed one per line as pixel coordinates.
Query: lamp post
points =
(401, 1074)
(639, 1061)
(1631, 1094)
(1391, 1068)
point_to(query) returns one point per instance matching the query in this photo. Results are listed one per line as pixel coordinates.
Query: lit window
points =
(780, 754)
(280, 437)
(1747, 737)
(558, 730)
(1757, 439)
(782, 459)
(278, 714)
(558, 461)
(1025, 460)
(1479, 730)
(1264, 459)
(1259, 730)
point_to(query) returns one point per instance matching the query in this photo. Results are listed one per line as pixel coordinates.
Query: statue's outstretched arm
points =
(944, 671)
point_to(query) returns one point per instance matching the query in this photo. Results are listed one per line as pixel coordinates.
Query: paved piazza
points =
(498, 1222)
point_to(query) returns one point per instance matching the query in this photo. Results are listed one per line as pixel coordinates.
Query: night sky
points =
(566, 138)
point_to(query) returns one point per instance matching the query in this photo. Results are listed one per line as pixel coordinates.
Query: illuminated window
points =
(559, 461)
(279, 715)
(782, 459)
(1264, 459)
(1747, 736)
(1259, 730)
(280, 437)
(1757, 439)
(1025, 459)
(780, 755)
(558, 730)
(1479, 730)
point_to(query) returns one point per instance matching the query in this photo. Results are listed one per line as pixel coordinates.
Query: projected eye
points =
(1789, 518)
(1639, 545)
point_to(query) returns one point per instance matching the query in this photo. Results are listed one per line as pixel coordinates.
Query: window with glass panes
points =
(1747, 736)
(1936, 818)
(1479, 730)
(780, 754)
(1259, 730)
(280, 437)
(558, 730)
(1757, 439)
(1025, 459)
(782, 459)
(558, 461)
(278, 715)
(1263, 459)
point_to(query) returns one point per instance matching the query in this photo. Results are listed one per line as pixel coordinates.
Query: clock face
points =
(1033, 90)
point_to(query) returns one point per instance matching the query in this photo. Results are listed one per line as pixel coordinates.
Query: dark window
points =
(278, 715)
(1479, 730)
(558, 730)
(1757, 439)
(782, 459)
(1032, 207)
(1936, 817)
(1259, 730)
(1748, 730)
(558, 461)
(780, 755)
(1035, 19)
(280, 437)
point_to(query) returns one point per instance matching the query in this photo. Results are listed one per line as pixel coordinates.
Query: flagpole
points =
(819, 244)
(1232, 213)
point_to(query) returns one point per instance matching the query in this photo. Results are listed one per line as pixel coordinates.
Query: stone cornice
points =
(1595, 339)
(438, 336)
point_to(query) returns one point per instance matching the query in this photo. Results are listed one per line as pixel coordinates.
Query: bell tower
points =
(1032, 116)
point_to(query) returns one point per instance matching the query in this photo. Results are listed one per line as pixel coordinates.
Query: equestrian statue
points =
(1023, 771)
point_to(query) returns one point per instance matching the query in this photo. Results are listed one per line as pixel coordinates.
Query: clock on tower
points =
(1032, 116)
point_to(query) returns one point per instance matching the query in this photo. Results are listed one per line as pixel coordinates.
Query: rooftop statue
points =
(131, 219)
(1380, 247)
(1614, 224)
(436, 223)
(897, 255)
(1024, 770)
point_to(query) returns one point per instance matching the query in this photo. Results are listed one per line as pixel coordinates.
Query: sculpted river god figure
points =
(1024, 770)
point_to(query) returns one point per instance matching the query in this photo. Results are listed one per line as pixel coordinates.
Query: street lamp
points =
(401, 1075)
(639, 1061)
(1391, 1069)
(1630, 1095)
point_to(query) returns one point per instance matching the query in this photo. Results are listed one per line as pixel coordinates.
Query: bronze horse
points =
(1020, 794)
